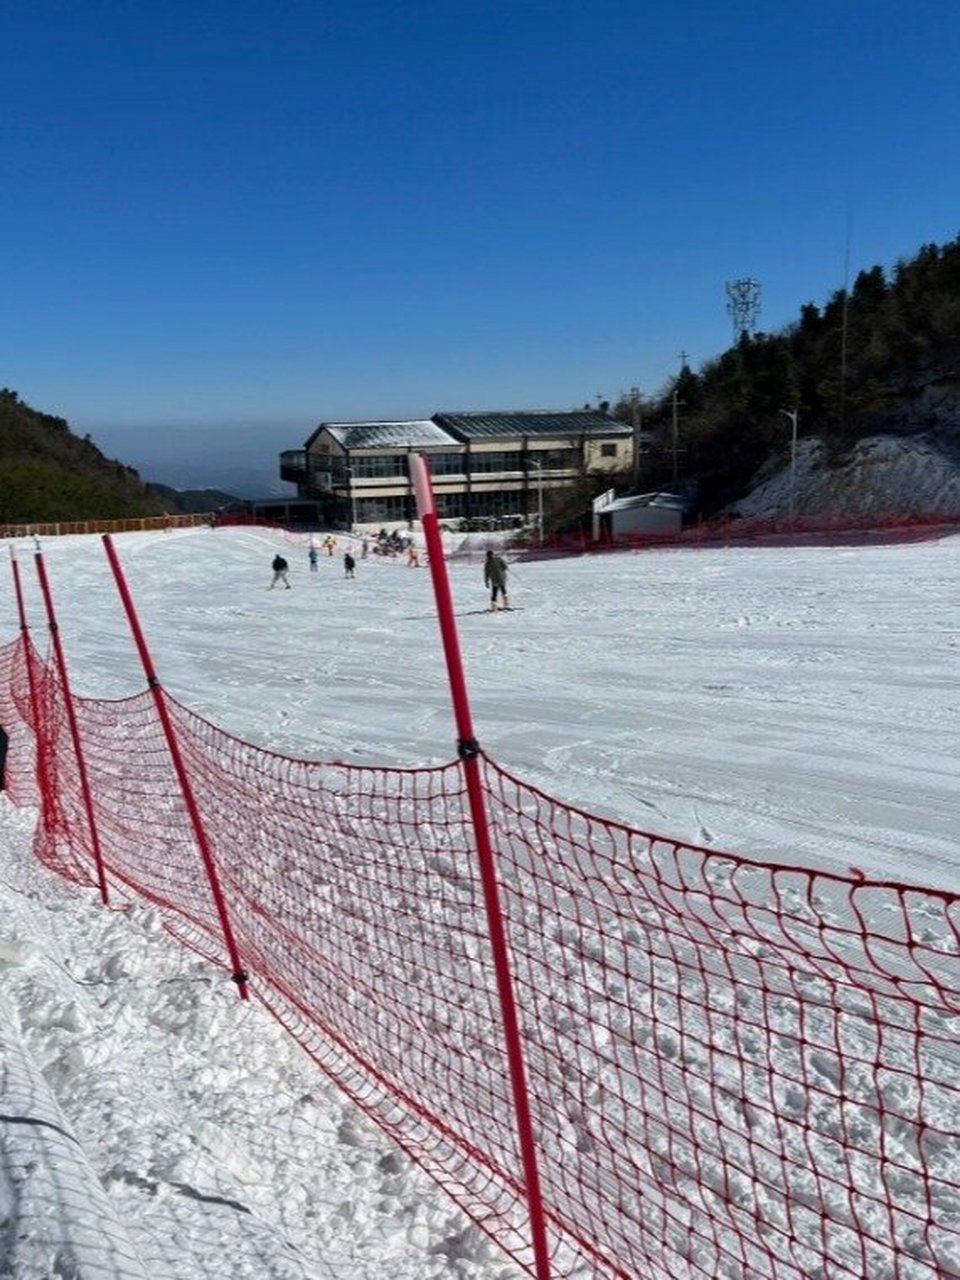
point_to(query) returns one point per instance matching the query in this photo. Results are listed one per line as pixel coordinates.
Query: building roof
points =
(452, 429)
(416, 434)
(537, 422)
(663, 501)
(666, 501)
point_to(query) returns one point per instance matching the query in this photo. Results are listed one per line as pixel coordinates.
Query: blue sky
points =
(276, 213)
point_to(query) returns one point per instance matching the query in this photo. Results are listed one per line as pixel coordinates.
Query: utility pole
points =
(539, 504)
(793, 415)
(637, 442)
(843, 329)
(536, 465)
(675, 433)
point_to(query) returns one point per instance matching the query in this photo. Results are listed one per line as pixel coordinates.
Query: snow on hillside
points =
(883, 474)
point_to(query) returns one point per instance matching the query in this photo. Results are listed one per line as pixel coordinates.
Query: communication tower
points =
(743, 306)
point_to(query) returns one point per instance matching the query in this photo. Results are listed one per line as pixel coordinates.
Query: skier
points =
(495, 577)
(280, 568)
(312, 557)
(329, 543)
(349, 564)
(364, 547)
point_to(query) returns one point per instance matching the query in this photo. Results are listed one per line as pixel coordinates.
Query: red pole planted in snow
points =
(238, 976)
(74, 728)
(468, 751)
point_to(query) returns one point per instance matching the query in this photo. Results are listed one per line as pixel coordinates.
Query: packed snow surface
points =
(796, 705)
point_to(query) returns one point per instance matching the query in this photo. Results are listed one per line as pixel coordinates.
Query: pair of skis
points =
(468, 613)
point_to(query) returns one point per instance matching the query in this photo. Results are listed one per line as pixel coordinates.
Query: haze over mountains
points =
(243, 460)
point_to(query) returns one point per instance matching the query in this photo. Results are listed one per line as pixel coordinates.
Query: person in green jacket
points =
(495, 577)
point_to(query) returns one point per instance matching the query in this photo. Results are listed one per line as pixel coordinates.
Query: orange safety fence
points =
(736, 1069)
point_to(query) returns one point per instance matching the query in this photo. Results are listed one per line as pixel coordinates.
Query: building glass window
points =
(608, 451)
(381, 510)
(555, 460)
(448, 464)
(318, 470)
(500, 502)
(451, 506)
(376, 467)
(485, 463)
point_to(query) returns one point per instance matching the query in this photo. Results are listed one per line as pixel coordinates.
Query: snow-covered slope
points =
(797, 704)
(881, 475)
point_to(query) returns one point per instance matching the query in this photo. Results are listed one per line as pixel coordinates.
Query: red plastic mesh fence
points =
(870, 527)
(736, 1070)
(17, 719)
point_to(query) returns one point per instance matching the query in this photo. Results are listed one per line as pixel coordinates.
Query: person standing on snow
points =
(349, 564)
(312, 557)
(280, 568)
(495, 577)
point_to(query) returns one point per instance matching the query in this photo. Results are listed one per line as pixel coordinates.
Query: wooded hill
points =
(883, 357)
(49, 474)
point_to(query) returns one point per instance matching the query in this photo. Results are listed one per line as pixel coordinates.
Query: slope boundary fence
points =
(839, 530)
(735, 1069)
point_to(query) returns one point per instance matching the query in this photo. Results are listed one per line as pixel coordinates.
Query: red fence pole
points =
(239, 976)
(468, 751)
(74, 727)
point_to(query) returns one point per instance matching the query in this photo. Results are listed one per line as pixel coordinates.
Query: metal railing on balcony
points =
(293, 465)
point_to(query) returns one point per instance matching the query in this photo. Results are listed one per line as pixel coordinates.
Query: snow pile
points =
(880, 476)
(218, 1146)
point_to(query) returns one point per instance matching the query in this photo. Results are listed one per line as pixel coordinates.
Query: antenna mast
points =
(743, 306)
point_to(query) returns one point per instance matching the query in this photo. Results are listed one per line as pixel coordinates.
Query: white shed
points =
(636, 516)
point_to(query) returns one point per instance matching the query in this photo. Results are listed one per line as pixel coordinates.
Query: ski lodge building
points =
(485, 466)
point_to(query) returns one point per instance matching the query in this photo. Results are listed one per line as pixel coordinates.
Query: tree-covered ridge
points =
(49, 474)
(192, 501)
(848, 368)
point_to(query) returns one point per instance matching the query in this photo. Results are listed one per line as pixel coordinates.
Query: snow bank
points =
(883, 474)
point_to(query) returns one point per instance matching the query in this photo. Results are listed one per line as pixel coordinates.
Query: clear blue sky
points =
(278, 212)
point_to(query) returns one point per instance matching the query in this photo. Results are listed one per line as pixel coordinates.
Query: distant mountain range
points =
(241, 460)
(193, 501)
